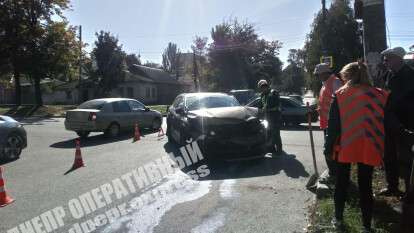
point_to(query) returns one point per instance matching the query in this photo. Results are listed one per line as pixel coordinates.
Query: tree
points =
(293, 77)
(59, 52)
(171, 59)
(132, 59)
(241, 58)
(110, 62)
(26, 29)
(339, 33)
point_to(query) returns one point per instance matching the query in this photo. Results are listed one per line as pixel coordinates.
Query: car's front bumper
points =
(227, 148)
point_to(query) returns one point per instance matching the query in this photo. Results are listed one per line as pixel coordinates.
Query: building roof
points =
(157, 75)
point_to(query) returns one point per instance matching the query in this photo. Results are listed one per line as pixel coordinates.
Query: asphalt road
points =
(266, 195)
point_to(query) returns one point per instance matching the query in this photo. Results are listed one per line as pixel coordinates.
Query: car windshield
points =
(96, 105)
(196, 102)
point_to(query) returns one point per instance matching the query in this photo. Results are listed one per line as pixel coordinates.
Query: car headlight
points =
(212, 133)
(264, 123)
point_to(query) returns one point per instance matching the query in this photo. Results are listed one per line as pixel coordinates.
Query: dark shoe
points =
(390, 192)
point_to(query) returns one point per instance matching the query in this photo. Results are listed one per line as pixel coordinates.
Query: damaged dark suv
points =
(223, 128)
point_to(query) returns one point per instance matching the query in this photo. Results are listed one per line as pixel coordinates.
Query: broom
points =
(314, 178)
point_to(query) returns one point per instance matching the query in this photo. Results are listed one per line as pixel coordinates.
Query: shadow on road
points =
(97, 140)
(6, 161)
(266, 166)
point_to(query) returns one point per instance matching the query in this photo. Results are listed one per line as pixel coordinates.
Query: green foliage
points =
(171, 59)
(337, 36)
(110, 62)
(32, 43)
(240, 58)
(132, 59)
(293, 77)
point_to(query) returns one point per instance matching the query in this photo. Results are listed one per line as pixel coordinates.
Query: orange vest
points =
(361, 111)
(325, 100)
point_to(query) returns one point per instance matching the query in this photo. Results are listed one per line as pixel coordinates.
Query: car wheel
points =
(113, 130)
(83, 134)
(13, 147)
(156, 124)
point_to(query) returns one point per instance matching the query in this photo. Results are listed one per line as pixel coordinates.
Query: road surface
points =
(266, 195)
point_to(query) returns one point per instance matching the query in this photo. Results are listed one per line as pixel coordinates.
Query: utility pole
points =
(80, 65)
(372, 13)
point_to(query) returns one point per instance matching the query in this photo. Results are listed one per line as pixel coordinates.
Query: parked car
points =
(13, 138)
(111, 116)
(293, 111)
(297, 97)
(223, 128)
(243, 96)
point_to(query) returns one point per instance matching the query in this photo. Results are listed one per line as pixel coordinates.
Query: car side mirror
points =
(180, 111)
(147, 109)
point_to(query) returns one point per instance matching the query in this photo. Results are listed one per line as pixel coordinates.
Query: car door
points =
(139, 115)
(123, 114)
(290, 110)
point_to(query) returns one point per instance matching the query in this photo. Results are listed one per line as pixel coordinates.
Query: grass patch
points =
(385, 218)
(160, 108)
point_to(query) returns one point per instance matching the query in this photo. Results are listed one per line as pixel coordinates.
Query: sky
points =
(146, 27)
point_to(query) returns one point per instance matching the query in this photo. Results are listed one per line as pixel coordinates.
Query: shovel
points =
(314, 178)
(408, 204)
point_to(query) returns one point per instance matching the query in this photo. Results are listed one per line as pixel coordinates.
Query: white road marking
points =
(211, 224)
(227, 189)
(149, 216)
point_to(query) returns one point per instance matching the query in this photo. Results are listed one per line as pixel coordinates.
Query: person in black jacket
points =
(270, 108)
(399, 115)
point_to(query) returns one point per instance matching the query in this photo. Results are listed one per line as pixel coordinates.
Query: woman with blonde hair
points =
(356, 136)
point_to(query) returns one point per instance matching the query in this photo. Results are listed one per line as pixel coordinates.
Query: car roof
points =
(204, 94)
(108, 100)
(246, 90)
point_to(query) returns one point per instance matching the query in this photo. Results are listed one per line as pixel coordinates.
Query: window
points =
(68, 95)
(287, 104)
(136, 105)
(130, 92)
(153, 92)
(121, 106)
(93, 104)
(178, 101)
(121, 91)
(148, 92)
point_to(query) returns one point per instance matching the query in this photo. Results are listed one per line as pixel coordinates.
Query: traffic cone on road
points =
(4, 198)
(78, 156)
(161, 132)
(137, 134)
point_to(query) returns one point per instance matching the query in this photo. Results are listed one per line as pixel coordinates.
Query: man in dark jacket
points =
(270, 108)
(399, 116)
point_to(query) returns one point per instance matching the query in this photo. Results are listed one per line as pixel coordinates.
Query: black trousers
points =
(366, 200)
(274, 127)
(329, 161)
(397, 161)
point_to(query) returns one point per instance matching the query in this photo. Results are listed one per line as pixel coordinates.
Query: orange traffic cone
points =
(161, 132)
(4, 198)
(137, 134)
(78, 156)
